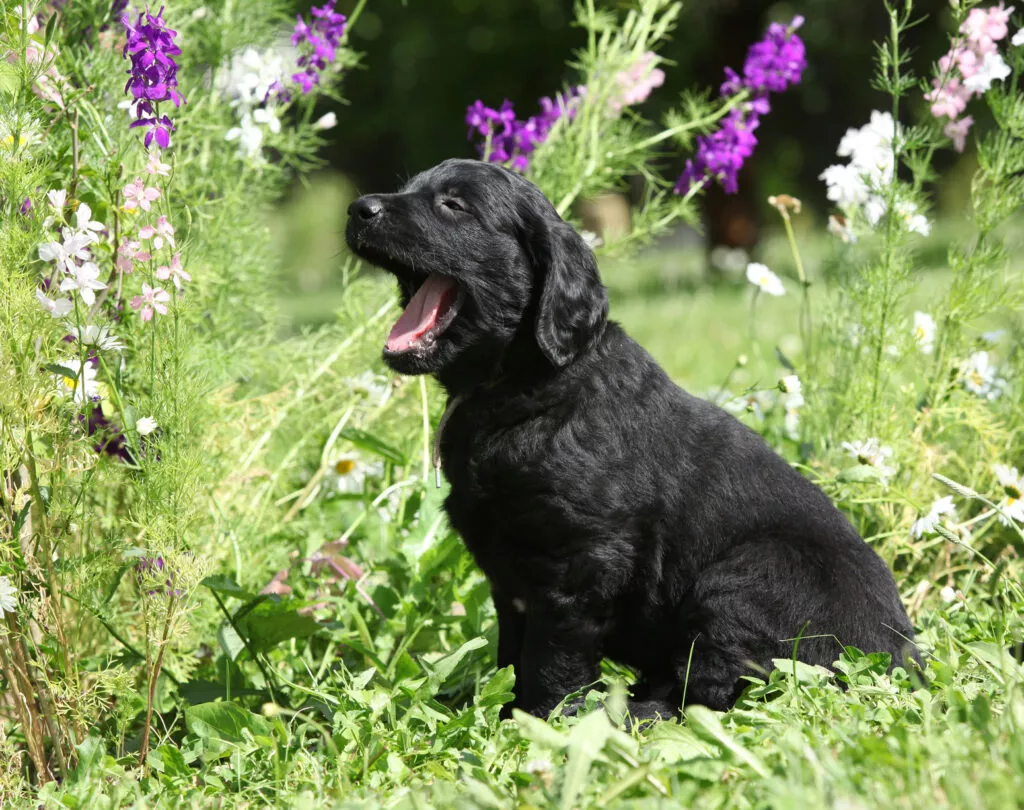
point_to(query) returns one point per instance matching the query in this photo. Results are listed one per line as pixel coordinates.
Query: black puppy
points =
(613, 513)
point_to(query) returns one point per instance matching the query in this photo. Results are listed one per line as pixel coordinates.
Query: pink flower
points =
(175, 272)
(163, 230)
(136, 195)
(636, 83)
(986, 26)
(152, 298)
(128, 253)
(957, 131)
(155, 166)
(948, 99)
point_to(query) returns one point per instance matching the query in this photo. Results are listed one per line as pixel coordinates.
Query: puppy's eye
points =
(453, 204)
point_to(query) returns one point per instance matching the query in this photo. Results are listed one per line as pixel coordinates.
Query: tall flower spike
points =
(319, 42)
(153, 75)
(771, 66)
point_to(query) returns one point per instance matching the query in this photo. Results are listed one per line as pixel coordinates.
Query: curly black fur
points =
(613, 513)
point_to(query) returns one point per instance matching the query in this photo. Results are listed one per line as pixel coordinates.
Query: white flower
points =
(81, 385)
(924, 331)
(870, 148)
(58, 198)
(591, 239)
(845, 185)
(85, 225)
(99, 337)
(145, 425)
(792, 422)
(74, 246)
(950, 594)
(993, 69)
(85, 279)
(1013, 490)
(376, 387)
(250, 75)
(926, 523)
(916, 223)
(755, 402)
(872, 453)
(764, 279)
(874, 209)
(349, 473)
(790, 384)
(58, 308)
(1018, 38)
(8, 597)
(248, 135)
(326, 121)
(978, 376)
(268, 117)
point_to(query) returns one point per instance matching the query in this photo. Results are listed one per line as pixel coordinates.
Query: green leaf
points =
(498, 690)
(227, 586)
(537, 731)
(785, 361)
(51, 26)
(270, 623)
(19, 519)
(707, 725)
(371, 444)
(804, 673)
(443, 669)
(230, 642)
(9, 80)
(61, 371)
(222, 727)
(168, 760)
(586, 740)
(859, 474)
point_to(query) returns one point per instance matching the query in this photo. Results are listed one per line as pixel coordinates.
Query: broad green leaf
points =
(227, 586)
(498, 690)
(707, 725)
(586, 740)
(270, 623)
(222, 726)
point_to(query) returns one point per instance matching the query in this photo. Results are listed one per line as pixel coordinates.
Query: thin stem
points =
(153, 678)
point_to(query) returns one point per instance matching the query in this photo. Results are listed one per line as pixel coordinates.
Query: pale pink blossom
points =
(159, 233)
(129, 252)
(152, 299)
(175, 272)
(957, 132)
(986, 26)
(136, 195)
(155, 166)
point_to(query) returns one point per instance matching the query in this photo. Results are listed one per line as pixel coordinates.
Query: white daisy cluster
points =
(924, 332)
(926, 524)
(1012, 503)
(764, 279)
(859, 186)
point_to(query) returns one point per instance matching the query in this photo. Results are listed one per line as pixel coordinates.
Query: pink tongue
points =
(434, 297)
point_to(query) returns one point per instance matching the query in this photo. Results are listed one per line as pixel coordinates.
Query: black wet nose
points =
(366, 208)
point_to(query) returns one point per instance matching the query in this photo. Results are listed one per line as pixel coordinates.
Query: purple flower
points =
(318, 42)
(512, 140)
(771, 66)
(26, 207)
(148, 569)
(153, 75)
(108, 438)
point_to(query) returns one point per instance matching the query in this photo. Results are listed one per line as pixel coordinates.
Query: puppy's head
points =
(483, 262)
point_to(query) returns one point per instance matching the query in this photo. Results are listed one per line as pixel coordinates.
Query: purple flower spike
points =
(514, 140)
(26, 207)
(319, 42)
(153, 75)
(771, 66)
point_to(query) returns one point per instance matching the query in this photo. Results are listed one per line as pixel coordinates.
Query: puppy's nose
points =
(366, 208)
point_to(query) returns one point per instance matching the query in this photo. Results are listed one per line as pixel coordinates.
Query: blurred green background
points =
(424, 62)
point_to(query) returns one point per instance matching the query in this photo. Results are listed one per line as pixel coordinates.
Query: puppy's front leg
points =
(561, 654)
(511, 631)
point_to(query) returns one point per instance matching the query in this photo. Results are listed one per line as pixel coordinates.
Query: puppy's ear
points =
(573, 304)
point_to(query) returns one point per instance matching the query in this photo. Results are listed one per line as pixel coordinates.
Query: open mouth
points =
(430, 311)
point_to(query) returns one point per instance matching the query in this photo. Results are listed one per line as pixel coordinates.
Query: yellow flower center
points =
(977, 379)
(345, 466)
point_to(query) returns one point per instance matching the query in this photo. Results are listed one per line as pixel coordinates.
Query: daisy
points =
(764, 279)
(152, 299)
(99, 337)
(175, 272)
(1013, 488)
(924, 332)
(159, 233)
(790, 384)
(8, 597)
(376, 387)
(58, 308)
(926, 523)
(85, 279)
(872, 453)
(146, 425)
(81, 384)
(348, 474)
(136, 195)
(978, 376)
(755, 402)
